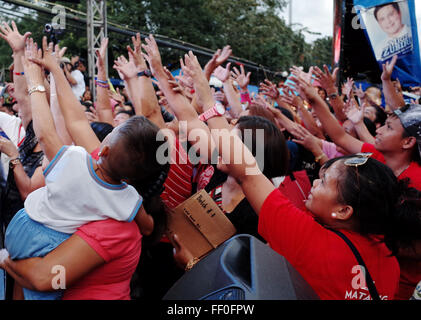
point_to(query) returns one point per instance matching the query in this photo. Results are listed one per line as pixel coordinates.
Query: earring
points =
(334, 215)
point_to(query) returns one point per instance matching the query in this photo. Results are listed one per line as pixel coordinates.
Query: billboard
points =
(391, 29)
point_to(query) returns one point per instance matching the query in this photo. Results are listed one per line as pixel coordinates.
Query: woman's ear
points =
(344, 213)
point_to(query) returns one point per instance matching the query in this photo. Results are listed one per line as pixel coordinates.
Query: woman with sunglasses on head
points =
(397, 144)
(357, 203)
(356, 199)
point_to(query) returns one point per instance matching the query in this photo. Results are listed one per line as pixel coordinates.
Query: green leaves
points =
(253, 28)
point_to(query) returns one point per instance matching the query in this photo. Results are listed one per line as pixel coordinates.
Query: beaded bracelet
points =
(105, 86)
(101, 81)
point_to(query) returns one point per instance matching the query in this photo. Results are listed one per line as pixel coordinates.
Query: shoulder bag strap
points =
(370, 284)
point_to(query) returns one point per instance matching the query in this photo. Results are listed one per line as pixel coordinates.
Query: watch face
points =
(219, 109)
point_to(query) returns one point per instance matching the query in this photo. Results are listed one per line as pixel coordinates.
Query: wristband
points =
(146, 73)
(18, 73)
(245, 97)
(101, 81)
(105, 86)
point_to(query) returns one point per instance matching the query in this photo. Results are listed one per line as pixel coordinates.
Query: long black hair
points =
(382, 204)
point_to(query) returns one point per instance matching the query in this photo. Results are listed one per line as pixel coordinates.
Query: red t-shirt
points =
(119, 244)
(297, 190)
(324, 259)
(178, 185)
(413, 172)
(410, 269)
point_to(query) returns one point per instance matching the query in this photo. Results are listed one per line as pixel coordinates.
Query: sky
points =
(317, 16)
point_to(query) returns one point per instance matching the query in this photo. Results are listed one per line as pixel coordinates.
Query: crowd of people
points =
(83, 187)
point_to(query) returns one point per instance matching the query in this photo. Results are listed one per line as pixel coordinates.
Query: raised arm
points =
(328, 82)
(330, 124)
(54, 105)
(17, 42)
(42, 118)
(356, 116)
(218, 59)
(76, 122)
(392, 98)
(255, 185)
(139, 84)
(181, 107)
(103, 104)
(223, 74)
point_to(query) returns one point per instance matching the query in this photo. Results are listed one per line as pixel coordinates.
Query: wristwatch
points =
(217, 110)
(146, 73)
(38, 88)
(13, 163)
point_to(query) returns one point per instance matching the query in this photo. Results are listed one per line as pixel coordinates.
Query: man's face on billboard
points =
(390, 20)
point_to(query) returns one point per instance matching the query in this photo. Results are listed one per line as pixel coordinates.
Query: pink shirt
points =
(119, 244)
(330, 150)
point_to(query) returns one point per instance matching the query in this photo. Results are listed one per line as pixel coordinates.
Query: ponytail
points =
(151, 191)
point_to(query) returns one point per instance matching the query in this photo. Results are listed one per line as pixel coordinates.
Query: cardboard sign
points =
(199, 224)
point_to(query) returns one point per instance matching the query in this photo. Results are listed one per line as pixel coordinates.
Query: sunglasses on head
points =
(358, 160)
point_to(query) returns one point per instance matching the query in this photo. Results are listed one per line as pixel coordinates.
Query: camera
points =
(48, 28)
(52, 33)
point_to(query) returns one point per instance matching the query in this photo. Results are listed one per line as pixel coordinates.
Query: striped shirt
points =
(178, 185)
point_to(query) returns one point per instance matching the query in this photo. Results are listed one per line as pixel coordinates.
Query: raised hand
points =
(306, 139)
(220, 56)
(290, 98)
(348, 87)
(388, 69)
(300, 73)
(353, 113)
(223, 74)
(326, 79)
(32, 70)
(184, 80)
(305, 89)
(360, 92)
(241, 77)
(15, 40)
(116, 95)
(126, 68)
(269, 89)
(48, 58)
(153, 56)
(101, 53)
(137, 52)
(201, 84)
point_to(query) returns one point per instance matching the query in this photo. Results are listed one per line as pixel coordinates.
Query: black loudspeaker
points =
(242, 268)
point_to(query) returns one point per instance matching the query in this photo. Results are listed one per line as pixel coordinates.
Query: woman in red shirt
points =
(358, 196)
